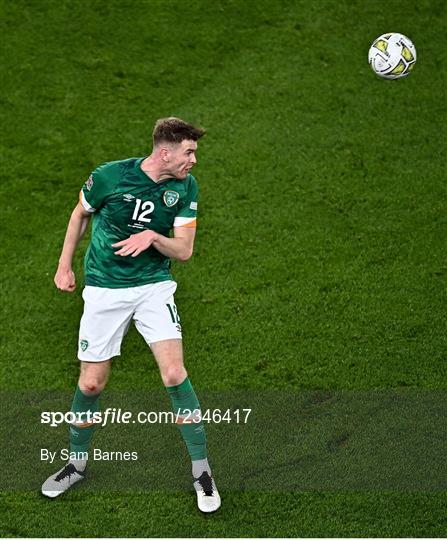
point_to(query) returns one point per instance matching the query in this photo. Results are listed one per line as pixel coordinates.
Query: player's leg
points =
(157, 320)
(105, 320)
(186, 406)
(92, 380)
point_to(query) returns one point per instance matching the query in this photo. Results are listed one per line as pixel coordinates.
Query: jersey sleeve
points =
(187, 213)
(95, 190)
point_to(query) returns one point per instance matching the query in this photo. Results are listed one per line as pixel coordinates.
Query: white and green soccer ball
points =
(392, 56)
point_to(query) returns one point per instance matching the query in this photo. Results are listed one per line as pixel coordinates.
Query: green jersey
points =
(126, 201)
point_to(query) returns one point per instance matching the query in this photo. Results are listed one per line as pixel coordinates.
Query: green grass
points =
(244, 515)
(320, 255)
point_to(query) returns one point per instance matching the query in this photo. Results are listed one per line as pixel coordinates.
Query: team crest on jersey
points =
(170, 198)
(89, 182)
(84, 344)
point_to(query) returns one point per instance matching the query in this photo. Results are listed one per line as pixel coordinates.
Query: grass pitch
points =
(320, 255)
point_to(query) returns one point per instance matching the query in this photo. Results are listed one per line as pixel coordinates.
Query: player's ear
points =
(164, 153)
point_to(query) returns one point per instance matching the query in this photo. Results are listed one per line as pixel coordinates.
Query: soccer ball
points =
(392, 56)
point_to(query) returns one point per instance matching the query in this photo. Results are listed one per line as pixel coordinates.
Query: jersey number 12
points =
(147, 208)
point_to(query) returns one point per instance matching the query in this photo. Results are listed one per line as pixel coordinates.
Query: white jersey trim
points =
(182, 221)
(85, 204)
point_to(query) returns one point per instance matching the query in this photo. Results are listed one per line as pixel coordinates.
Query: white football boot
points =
(59, 482)
(208, 498)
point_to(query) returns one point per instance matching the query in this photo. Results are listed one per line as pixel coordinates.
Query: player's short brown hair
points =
(175, 130)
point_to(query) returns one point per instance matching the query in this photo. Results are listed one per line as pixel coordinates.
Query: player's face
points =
(182, 158)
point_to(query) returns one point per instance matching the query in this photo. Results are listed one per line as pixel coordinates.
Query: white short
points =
(108, 313)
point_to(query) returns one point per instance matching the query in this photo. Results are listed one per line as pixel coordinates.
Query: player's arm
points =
(79, 220)
(179, 247)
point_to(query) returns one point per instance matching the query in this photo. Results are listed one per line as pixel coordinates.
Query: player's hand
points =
(136, 243)
(65, 279)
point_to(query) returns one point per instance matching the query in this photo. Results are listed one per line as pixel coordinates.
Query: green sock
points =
(184, 402)
(81, 435)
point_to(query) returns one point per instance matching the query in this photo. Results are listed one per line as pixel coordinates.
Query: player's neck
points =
(156, 171)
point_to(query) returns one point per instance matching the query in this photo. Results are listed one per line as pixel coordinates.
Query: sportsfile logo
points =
(113, 415)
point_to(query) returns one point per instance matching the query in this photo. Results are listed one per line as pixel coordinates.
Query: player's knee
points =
(173, 375)
(91, 385)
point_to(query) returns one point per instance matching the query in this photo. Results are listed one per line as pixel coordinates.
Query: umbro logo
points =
(128, 197)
